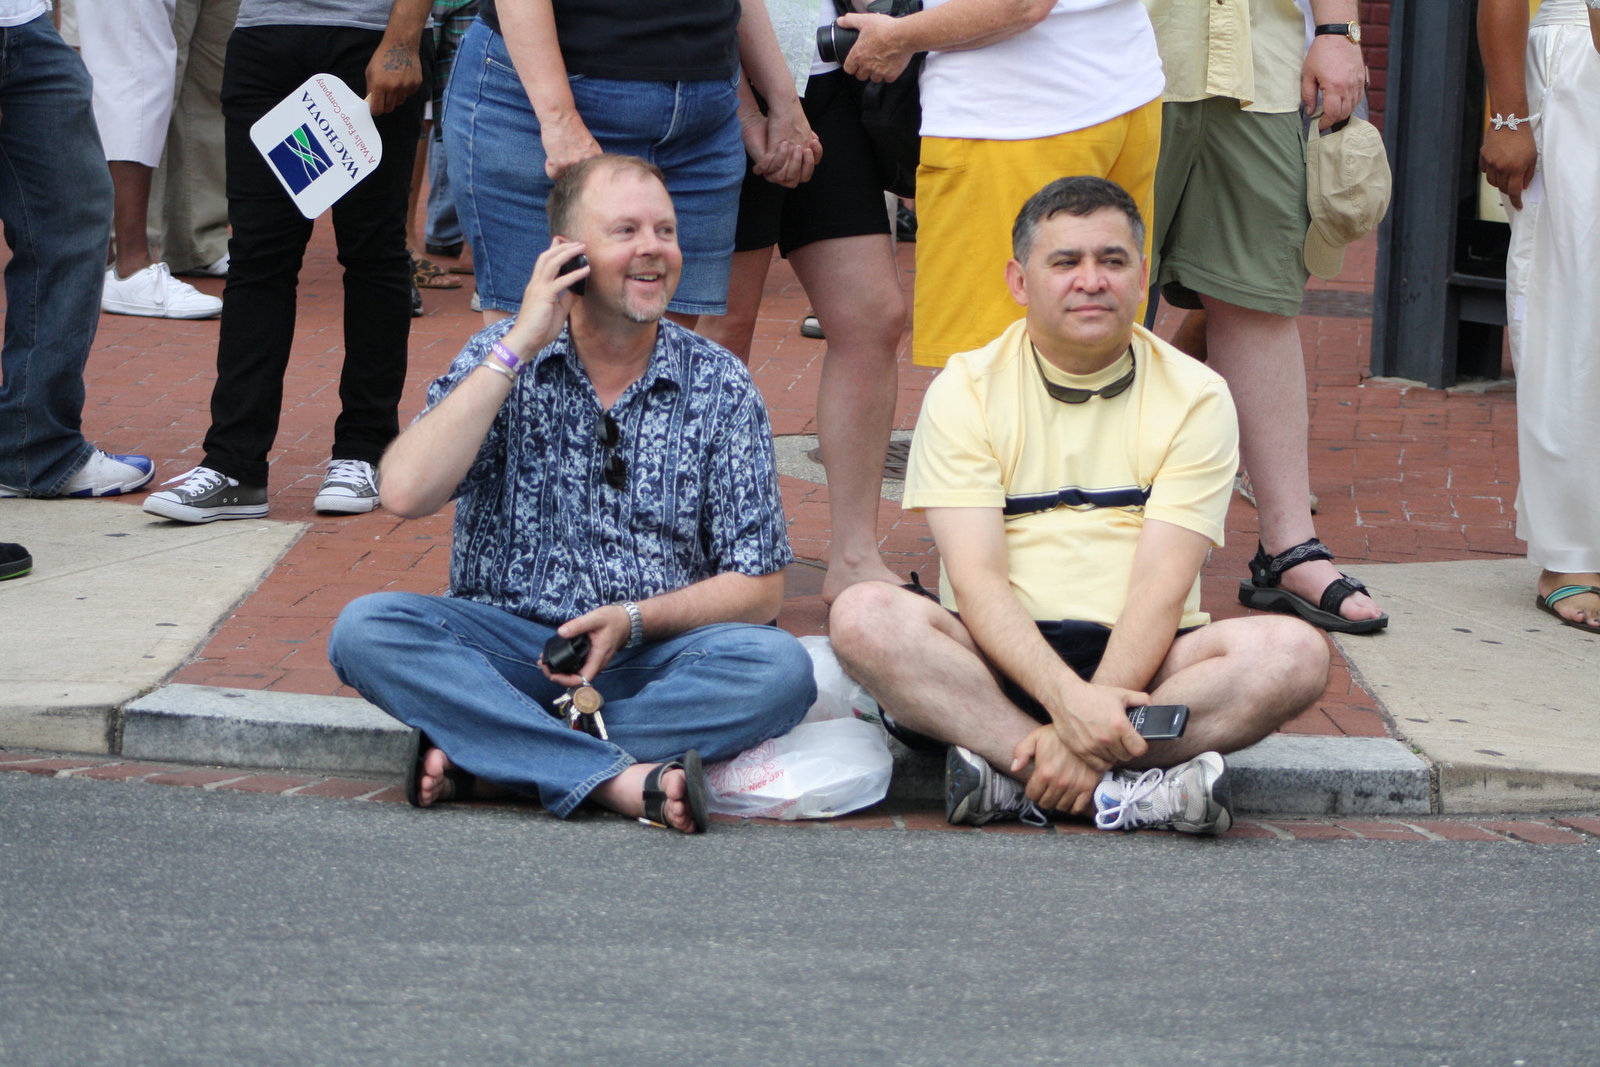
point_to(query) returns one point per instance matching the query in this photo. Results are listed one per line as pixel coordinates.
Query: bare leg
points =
(1190, 336)
(625, 794)
(747, 279)
(1259, 355)
(920, 664)
(131, 185)
(1242, 679)
(1584, 608)
(855, 289)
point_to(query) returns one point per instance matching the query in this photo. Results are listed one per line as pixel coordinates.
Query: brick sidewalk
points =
(1560, 830)
(1436, 470)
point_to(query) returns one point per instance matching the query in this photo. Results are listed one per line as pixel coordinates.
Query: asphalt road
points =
(143, 924)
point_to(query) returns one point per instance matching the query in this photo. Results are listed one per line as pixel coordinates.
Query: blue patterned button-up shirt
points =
(539, 532)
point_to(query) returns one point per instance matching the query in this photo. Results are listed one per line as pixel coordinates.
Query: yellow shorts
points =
(968, 196)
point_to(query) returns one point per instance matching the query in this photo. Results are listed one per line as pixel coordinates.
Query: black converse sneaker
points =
(206, 496)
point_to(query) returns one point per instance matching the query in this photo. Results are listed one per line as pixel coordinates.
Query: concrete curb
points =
(1284, 774)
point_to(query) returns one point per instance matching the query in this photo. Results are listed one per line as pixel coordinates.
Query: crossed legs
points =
(1241, 678)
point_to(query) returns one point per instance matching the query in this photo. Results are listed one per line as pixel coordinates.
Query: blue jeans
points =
(443, 227)
(688, 129)
(467, 675)
(55, 201)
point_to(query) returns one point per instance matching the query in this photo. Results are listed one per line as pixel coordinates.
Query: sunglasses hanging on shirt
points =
(610, 435)
(1069, 395)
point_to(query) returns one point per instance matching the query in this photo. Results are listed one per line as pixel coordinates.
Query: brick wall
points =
(1375, 45)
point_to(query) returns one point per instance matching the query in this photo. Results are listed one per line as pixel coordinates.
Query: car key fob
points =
(565, 655)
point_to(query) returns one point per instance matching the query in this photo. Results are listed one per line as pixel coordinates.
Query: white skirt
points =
(1553, 306)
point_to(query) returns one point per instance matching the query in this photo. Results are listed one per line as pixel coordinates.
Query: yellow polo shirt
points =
(1077, 481)
(1250, 50)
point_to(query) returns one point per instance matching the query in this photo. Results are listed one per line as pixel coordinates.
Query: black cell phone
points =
(1160, 722)
(580, 260)
(566, 655)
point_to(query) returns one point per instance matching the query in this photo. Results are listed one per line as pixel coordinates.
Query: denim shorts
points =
(688, 129)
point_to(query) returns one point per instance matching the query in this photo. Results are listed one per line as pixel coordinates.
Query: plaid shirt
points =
(539, 532)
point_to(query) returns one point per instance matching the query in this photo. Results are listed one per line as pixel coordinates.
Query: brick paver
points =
(1436, 470)
(113, 772)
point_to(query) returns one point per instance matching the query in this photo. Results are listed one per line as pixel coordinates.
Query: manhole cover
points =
(894, 464)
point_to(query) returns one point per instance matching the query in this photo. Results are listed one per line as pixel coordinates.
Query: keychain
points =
(581, 704)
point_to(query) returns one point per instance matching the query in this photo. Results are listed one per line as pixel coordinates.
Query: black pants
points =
(263, 65)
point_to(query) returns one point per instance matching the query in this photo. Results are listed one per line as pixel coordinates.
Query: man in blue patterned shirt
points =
(614, 478)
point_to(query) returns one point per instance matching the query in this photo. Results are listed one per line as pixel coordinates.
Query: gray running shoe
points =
(350, 488)
(974, 793)
(1190, 798)
(206, 496)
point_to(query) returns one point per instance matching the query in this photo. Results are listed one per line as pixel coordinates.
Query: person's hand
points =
(566, 142)
(1508, 159)
(880, 53)
(393, 74)
(608, 628)
(1334, 67)
(1060, 781)
(1096, 728)
(782, 146)
(548, 299)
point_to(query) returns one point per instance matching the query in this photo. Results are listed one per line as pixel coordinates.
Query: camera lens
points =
(834, 42)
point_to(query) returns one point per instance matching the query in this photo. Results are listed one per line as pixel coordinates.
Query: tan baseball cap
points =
(1347, 190)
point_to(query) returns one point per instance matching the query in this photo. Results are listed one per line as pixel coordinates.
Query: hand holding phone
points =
(580, 260)
(1160, 722)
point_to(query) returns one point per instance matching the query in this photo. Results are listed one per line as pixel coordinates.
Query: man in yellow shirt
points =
(1230, 229)
(1075, 473)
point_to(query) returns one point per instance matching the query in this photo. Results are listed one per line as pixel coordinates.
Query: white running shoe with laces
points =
(155, 293)
(350, 488)
(207, 495)
(1190, 798)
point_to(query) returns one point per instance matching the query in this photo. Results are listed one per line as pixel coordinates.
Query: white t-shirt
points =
(1087, 62)
(17, 12)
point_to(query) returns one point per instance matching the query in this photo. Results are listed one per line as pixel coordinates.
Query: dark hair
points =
(561, 207)
(1079, 195)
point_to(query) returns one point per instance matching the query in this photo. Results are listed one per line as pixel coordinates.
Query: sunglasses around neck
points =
(1069, 395)
(610, 437)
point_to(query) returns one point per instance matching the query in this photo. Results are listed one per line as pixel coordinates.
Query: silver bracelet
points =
(635, 623)
(1500, 122)
(498, 368)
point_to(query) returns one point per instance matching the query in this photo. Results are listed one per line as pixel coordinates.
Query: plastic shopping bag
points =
(839, 696)
(816, 771)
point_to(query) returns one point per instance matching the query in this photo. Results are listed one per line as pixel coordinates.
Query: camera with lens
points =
(834, 41)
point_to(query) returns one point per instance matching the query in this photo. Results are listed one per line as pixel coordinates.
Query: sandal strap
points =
(1338, 591)
(655, 798)
(1555, 596)
(1267, 571)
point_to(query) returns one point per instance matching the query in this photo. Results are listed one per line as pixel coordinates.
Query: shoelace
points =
(349, 471)
(1015, 798)
(1121, 814)
(197, 480)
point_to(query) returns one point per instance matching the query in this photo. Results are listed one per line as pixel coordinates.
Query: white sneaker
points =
(215, 269)
(350, 488)
(156, 293)
(1191, 798)
(104, 475)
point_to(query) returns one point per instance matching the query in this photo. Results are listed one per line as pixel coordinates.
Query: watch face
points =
(1355, 32)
